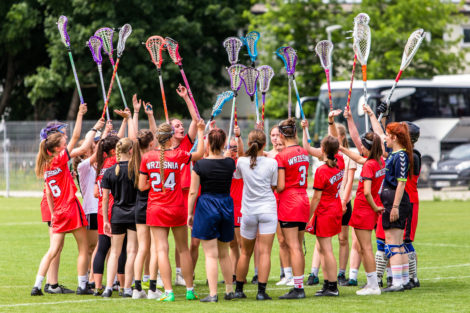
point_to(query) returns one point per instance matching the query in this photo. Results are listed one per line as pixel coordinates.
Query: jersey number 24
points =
(157, 180)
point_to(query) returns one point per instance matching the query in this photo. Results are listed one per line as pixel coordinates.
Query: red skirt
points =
(167, 216)
(69, 219)
(363, 218)
(237, 214)
(324, 225)
(45, 212)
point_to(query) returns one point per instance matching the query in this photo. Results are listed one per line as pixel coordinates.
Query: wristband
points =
(93, 130)
(136, 112)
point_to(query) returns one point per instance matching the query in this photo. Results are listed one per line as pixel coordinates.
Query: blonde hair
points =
(144, 138)
(164, 134)
(123, 146)
(46, 152)
(342, 133)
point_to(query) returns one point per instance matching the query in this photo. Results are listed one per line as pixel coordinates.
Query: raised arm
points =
(149, 111)
(352, 129)
(78, 127)
(374, 122)
(200, 141)
(316, 152)
(352, 155)
(137, 104)
(90, 136)
(183, 93)
(122, 129)
(126, 115)
(332, 130)
(240, 146)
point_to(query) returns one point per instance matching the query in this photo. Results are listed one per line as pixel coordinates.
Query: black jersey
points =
(216, 174)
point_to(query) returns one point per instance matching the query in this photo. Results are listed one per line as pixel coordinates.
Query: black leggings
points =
(104, 243)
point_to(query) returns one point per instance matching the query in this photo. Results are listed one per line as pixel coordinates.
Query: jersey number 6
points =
(54, 188)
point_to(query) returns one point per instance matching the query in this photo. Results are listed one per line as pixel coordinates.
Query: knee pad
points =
(380, 245)
(388, 250)
(409, 247)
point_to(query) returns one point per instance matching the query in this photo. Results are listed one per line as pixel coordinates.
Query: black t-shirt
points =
(216, 174)
(124, 193)
(416, 162)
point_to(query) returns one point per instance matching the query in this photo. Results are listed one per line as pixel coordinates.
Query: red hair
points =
(400, 130)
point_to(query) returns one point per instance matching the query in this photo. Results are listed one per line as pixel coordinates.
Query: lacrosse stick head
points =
(232, 45)
(362, 18)
(106, 35)
(412, 46)
(324, 50)
(172, 46)
(155, 46)
(291, 60)
(234, 73)
(280, 53)
(361, 43)
(124, 33)
(266, 73)
(249, 77)
(95, 44)
(251, 41)
(222, 98)
(62, 25)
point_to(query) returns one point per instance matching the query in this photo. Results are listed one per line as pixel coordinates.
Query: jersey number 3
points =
(303, 175)
(157, 180)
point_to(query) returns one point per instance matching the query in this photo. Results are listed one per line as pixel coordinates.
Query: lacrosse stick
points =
(280, 53)
(232, 45)
(266, 73)
(251, 43)
(249, 77)
(95, 43)
(106, 35)
(216, 109)
(155, 45)
(235, 84)
(324, 50)
(412, 46)
(361, 48)
(123, 35)
(62, 25)
(172, 46)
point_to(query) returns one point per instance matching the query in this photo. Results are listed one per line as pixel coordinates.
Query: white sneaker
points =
(179, 280)
(369, 291)
(154, 294)
(290, 281)
(159, 281)
(282, 282)
(139, 294)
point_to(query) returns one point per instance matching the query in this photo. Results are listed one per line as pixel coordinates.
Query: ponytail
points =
(330, 146)
(144, 138)
(118, 156)
(45, 152)
(105, 146)
(164, 134)
(162, 166)
(401, 131)
(256, 141)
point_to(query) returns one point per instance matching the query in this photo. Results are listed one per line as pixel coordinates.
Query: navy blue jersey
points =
(396, 168)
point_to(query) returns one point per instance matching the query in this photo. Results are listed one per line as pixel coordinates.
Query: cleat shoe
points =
(91, 285)
(290, 282)
(136, 294)
(239, 295)
(408, 286)
(167, 297)
(107, 293)
(210, 298)
(416, 283)
(389, 281)
(116, 286)
(36, 292)
(60, 289)
(312, 280)
(323, 289)
(328, 293)
(381, 284)
(191, 295)
(83, 292)
(127, 295)
(179, 280)
(294, 293)
(254, 280)
(282, 282)
(393, 289)
(230, 296)
(98, 291)
(342, 280)
(369, 291)
(154, 294)
(352, 282)
(46, 287)
(263, 296)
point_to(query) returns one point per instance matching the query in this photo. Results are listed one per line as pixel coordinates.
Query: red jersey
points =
(108, 162)
(174, 159)
(236, 190)
(374, 171)
(45, 211)
(186, 145)
(293, 200)
(411, 186)
(328, 180)
(60, 182)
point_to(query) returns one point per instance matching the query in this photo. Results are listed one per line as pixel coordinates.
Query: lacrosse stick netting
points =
(361, 48)
(251, 42)
(124, 33)
(64, 36)
(232, 45)
(235, 84)
(95, 44)
(155, 46)
(324, 50)
(249, 77)
(266, 73)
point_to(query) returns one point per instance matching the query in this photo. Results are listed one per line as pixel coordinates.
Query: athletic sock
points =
(353, 273)
(380, 263)
(146, 278)
(397, 275)
(332, 285)
(116, 279)
(239, 286)
(38, 282)
(153, 285)
(256, 271)
(138, 285)
(389, 272)
(413, 265)
(341, 272)
(109, 288)
(82, 281)
(127, 291)
(288, 271)
(178, 270)
(299, 282)
(315, 271)
(189, 288)
(372, 280)
(405, 273)
(262, 287)
(168, 291)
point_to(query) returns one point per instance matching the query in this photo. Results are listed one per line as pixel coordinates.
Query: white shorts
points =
(265, 224)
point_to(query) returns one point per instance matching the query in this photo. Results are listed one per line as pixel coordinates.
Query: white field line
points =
(21, 223)
(445, 266)
(445, 245)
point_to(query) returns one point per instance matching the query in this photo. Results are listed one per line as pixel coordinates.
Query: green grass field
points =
(442, 247)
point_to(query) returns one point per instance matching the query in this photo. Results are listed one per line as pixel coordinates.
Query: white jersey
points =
(87, 175)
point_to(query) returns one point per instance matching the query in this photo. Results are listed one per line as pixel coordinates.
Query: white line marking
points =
(20, 223)
(445, 245)
(445, 266)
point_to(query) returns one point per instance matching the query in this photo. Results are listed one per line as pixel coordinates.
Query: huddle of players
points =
(142, 187)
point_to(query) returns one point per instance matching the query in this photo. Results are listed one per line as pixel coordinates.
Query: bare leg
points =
(143, 238)
(161, 236)
(181, 242)
(234, 253)
(225, 264)
(53, 271)
(328, 259)
(194, 250)
(212, 253)
(243, 265)
(131, 250)
(283, 248)
(265, 244)
(343, 238)
(292, 236)
(114, 253)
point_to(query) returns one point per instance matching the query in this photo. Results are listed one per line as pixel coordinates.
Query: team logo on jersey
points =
(336, 177)
(52, 173)
(380, 173)
(298, 159)
(166, 165)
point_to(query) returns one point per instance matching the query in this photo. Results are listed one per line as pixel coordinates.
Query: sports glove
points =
(382, 108)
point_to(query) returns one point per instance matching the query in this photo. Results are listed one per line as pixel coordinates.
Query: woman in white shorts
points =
(259, 211)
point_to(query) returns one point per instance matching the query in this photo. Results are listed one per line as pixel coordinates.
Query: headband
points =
(46, 131)
(283, 128)
(366, 142)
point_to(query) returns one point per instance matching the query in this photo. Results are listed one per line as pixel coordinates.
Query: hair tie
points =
(331, 156)
(283, 128)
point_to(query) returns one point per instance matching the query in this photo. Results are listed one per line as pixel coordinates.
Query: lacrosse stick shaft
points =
(327, 73)
(110, 87)
(118, 81)
(391, 92)
(103, 89)
(351, 84)
(289, 100)
(262, 108)
(76, 76)
(300, 106)
(190, 94)
(366, 118)
(231, 121)
(162, 89)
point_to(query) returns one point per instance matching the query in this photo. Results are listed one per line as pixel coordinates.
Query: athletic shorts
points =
(265, 224)
(121, 228)
(325, 225)
(49, 224)
(300, 225)
(141, 210)
(69, 219)
(92, 221)
(237, 214)
(387, 197)
(411, 224)
(213, 218)
(347, 214)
